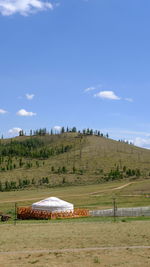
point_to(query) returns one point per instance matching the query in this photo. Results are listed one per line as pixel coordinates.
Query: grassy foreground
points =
(44, 243)
(32, 245)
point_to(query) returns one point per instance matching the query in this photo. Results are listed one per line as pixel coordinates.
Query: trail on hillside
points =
(113, 189)
(75, 250)
(78, 195)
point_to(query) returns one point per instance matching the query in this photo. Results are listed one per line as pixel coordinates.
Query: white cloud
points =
(23, 7)
(119, 132)
(129, 99)
(90, 89)
(57, 128)
(30, 96)
(107, 95)
(2, 111)
(140, 139)
(14, 131)
(23, 112)
(142, 142)
(146, 134)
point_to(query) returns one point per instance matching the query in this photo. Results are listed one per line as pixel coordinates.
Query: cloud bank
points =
(23, 7)
(24, 113)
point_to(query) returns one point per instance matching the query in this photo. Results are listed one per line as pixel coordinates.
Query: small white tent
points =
(53, 204)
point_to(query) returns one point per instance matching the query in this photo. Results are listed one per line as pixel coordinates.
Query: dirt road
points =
(75, 250)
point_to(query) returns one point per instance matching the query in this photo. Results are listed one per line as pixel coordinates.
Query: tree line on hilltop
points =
(44, 131)
(87, 131)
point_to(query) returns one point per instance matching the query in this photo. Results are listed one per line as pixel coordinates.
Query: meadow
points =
(97, 196)
(86, 243)
(78, 242)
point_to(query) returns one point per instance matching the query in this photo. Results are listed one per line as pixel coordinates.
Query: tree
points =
(64, 170)
(20, 162)
(62, 130)
(37, 164)
(74, 169)
(74, 129)
(7, 186)
(52, 169)
(84, 131)
(88, 131)
(91, 132)
(21, 133)
(107, 135)
(63, 180)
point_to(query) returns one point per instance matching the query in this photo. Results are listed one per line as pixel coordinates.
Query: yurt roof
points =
(53, 202)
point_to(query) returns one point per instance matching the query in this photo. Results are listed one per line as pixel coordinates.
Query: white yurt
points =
(53, 204)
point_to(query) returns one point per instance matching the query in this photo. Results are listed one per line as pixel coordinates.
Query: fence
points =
(122, 212)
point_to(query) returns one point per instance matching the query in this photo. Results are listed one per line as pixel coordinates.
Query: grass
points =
(32, 244)
(78, 220)
(77, 235)
(31, 241)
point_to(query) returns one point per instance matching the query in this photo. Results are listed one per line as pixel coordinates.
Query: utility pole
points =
(114, 209)
(81, 147)
(74, 155)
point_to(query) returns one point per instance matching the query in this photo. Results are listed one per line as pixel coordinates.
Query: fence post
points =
(15, 219)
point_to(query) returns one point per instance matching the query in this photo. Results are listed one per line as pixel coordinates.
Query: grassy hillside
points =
(68, 158)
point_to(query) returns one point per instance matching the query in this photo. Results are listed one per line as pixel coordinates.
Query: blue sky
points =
(83, 63)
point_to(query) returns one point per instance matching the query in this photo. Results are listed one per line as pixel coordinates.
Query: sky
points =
(83, 63)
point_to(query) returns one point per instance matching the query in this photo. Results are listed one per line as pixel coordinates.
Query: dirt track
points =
(75, 250)
(112, 189)
(93, 193)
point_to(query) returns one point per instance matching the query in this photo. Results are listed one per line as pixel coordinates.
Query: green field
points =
(98, 196)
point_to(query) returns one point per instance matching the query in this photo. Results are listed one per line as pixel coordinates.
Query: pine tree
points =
(62, 130)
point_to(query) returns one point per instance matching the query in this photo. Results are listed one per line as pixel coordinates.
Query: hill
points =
(68, 158)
